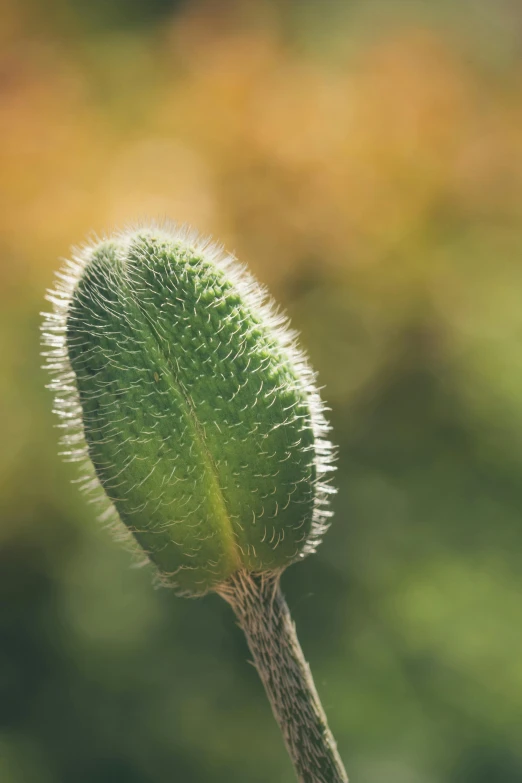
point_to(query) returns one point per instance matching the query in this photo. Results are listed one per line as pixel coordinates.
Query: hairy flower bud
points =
(177, 378)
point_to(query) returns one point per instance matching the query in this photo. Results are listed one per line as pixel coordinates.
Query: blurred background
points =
(365, 159)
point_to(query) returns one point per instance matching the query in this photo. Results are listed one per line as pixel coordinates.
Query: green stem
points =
(265, 619)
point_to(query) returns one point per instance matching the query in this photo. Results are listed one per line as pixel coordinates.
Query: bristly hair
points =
(67, 404)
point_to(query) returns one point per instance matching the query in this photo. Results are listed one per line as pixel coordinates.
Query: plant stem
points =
(265, 619)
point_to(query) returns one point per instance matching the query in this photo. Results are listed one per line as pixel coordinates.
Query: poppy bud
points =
(199, 414)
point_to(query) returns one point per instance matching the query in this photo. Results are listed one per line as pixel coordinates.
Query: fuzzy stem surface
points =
(264, 616)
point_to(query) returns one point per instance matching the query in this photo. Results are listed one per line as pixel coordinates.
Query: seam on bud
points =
(222, 512)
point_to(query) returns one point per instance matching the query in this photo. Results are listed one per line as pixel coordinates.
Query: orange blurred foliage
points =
(286, 157)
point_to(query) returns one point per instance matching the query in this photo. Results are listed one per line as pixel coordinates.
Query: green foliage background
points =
(365, 158)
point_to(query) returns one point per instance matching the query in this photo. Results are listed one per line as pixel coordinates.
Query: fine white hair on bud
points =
(182, 390)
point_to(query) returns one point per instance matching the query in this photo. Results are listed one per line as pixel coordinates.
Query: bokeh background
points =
(365, 159)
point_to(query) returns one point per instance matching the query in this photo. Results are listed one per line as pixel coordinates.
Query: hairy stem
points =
(265, 619)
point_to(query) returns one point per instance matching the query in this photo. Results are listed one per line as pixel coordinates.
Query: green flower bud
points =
(179, 381)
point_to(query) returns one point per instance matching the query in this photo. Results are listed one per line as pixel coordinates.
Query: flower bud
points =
(182, 385)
